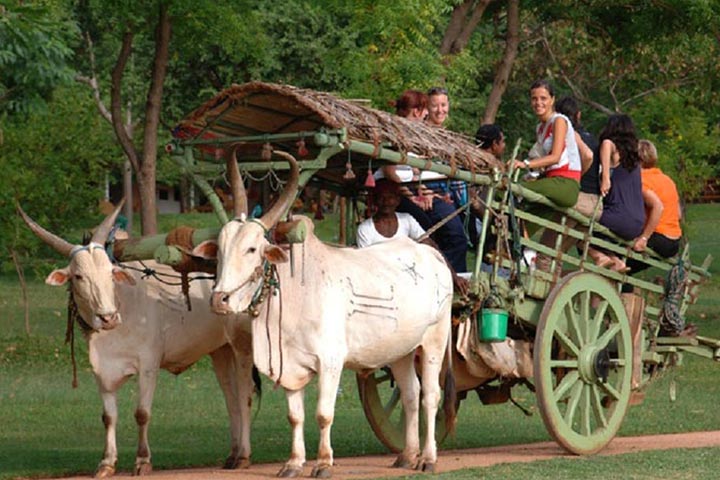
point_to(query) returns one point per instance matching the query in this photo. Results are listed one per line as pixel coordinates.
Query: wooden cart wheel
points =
(380, 399)
(583, 362)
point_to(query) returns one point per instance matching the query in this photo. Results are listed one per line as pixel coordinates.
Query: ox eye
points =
(251, 250)
(78, 277)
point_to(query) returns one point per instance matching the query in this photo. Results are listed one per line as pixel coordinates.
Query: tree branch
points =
(154, 96)
(502, 74)
(116, 100)
(575, 89)
(93, 83)
(461, 27)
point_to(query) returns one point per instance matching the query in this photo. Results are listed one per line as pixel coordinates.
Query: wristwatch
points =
(527, 163)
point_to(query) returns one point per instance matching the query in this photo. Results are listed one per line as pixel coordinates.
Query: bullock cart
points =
(586, 349)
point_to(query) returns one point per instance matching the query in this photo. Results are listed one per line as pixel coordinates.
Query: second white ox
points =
(323, 308)
(137, 326)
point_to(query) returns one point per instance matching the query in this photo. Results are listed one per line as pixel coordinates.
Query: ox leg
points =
(296, 415)
(328, 382)
(431, 358)
(106, 468)
(234, 374)
(147, 381)
(404, 372)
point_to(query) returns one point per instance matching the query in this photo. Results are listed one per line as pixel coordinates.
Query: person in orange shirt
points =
(662, 231)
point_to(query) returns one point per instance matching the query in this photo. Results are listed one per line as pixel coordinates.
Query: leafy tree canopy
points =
(36, 40)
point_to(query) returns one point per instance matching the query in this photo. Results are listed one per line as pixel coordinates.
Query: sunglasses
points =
(437, 91)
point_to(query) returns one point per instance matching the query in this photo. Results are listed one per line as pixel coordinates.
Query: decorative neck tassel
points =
(370, 180)
(349, 174)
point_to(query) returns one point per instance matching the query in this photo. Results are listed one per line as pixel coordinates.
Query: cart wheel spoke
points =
(596, 322)
(392, 402)
(597, 407)
(610, 334)
(574, 326)
(568, 344)
(566, 384)
(573, 402)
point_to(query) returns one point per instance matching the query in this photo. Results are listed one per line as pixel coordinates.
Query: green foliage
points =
(36, 40)
(54, 164)
(684, 136)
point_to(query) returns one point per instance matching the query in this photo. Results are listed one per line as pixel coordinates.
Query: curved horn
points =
(288, 194)
(103, 230)
(237, 186)
(63, 247)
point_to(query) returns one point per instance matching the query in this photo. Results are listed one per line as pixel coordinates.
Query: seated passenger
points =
(491, 139)
(558, 158)
(427, 207)
(623, 202)
(662, 231)
(387, 224)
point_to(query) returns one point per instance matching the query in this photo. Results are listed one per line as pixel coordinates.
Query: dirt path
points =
(449, 460)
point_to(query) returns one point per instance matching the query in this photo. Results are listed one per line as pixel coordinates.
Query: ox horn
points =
(288, 194)
(103, 230)
(63, 247)
(237, 185)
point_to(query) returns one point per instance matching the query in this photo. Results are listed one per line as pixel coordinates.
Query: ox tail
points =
(258, 389)
(449, 393)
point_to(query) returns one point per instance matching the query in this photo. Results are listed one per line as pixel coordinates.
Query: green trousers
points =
(562, 191)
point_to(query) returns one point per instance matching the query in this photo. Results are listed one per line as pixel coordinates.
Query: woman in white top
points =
(559, 158)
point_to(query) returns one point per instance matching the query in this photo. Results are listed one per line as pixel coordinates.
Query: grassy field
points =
(49, 428)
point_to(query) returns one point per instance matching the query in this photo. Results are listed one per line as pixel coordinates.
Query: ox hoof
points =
(289, 471)
(426, 467)
(321, 471)
(105, 471)
(402, 462)
(234, 463)
(142, 469)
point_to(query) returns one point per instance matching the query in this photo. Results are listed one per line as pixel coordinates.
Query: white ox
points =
(334, 308)
(136, 327)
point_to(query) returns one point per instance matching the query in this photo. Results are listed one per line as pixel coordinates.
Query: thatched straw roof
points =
(264, 108)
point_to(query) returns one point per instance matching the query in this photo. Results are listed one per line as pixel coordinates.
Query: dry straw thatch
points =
(256, 107)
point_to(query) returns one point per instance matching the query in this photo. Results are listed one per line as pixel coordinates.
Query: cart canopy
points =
(256, 109)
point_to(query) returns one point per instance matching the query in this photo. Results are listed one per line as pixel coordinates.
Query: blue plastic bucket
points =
(493, 324)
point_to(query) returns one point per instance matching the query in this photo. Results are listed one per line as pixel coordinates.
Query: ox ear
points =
(121, 276)
(275, 254)
(207, 250)
(58, 277)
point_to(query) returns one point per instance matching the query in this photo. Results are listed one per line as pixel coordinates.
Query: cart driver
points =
(387, 224)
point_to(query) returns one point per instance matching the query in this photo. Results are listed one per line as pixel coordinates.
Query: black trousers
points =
(662, 245)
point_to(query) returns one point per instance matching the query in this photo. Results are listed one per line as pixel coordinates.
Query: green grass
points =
(49, 428)
(701, 463)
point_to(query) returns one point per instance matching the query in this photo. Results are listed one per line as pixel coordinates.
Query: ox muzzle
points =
(220, 303)
(107, 321)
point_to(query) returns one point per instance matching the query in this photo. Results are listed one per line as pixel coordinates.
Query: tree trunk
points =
(146, 174)
(465, 18)
(502, 74)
